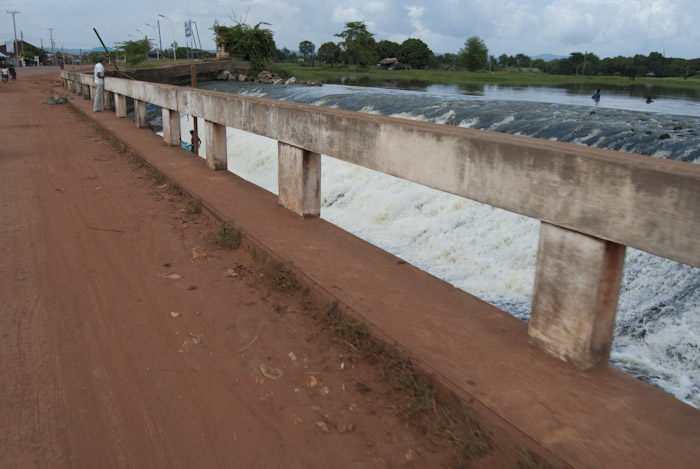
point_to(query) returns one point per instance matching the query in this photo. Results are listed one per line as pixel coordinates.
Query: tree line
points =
(357, 46)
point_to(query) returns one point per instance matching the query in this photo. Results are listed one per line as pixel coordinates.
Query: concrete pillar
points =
(171, 127)
(577, 286)
(109, 100)
(216, 145)
(120, 105)
(299, 177)
(87, 92)
(140, 114)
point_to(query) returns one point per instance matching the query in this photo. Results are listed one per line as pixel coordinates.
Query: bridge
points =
(592, 203)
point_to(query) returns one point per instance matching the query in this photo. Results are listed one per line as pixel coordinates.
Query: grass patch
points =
(174, 189)
(419, 398)
(464, 433)
(194, 206)
(227, 236)
(278, 276)
(154, 176)
(328, 74)
(531, 461)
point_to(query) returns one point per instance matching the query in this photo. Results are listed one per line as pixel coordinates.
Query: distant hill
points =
(548, 57)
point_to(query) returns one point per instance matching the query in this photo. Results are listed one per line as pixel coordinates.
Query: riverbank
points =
(350, 74)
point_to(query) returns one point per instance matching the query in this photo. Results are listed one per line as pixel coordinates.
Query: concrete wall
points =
(593, 202)
(179, 73)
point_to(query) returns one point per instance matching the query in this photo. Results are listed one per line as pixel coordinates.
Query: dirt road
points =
(123, 345)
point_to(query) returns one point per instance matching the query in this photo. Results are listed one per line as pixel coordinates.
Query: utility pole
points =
(53, 52)
(21, 35)
(13, 13)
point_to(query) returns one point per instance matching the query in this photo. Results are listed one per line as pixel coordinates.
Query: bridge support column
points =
(299, 177)
(140, 113)
(109, 100)
(216, 145)
(120, 105)
(577, 287)
(171, 127)
(88, 91)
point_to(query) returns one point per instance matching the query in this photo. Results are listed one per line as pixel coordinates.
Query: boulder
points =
(223, 75)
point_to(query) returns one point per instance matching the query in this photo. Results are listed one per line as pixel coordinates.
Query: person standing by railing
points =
(99, 73)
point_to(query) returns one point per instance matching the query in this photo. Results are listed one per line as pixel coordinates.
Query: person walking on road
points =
(99, 72)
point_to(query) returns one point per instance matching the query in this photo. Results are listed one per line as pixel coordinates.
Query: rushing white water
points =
(489, 252)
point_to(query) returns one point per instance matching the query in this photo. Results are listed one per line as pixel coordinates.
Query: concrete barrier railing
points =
(592, 202)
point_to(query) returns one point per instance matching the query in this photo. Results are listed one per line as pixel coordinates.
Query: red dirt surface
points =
(96, 369)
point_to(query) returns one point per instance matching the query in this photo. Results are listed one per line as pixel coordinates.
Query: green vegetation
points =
(328, 74)
(194, 206)
(358, 44)
(255, 44)
(227, 236)
(135, 51)
(278, 276)
(474, 56)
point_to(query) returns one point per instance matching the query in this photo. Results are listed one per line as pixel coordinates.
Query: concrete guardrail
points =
(592, 202)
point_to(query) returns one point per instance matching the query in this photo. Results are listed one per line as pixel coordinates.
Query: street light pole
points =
(173, 29)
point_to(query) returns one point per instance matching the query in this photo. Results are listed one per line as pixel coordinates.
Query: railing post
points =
(216, 145)
(577, 286)
(299, 178)
(140, 114)
(120, 105)
(171, 127)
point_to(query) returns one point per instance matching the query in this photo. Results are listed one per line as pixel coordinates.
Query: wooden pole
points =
(195, 143)
(110, 56)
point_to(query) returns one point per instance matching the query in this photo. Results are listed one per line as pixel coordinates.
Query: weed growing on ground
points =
(464, 432)
(174, 189)
(194, 206)
(279, 276)
(531, 461)
(136, 163)
(226, 236)
(154, 176)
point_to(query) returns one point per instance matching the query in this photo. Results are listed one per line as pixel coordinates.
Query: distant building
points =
(14, 57)
(391, 64)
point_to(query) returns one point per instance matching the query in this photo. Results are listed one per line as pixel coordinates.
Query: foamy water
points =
(489, 252)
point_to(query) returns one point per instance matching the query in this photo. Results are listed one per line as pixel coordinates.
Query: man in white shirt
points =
(99, 85)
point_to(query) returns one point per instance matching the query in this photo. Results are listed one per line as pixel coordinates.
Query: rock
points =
(291, 81)
(223, 75)
(242, 77)
(343, 427)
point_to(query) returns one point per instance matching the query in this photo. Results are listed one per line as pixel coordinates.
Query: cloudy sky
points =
(605, 27)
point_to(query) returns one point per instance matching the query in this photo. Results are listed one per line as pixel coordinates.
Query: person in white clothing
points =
(99, 85)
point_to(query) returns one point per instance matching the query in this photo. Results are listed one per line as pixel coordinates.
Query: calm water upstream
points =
(489, 252)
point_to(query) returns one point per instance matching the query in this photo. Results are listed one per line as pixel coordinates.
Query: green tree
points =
(31, 52)
(255, 44)
(307, 49)
(387, 49)
(414, 53)
(285, 55)
(135, 51)
(358, 43)
(329, 53)
(474, 56)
